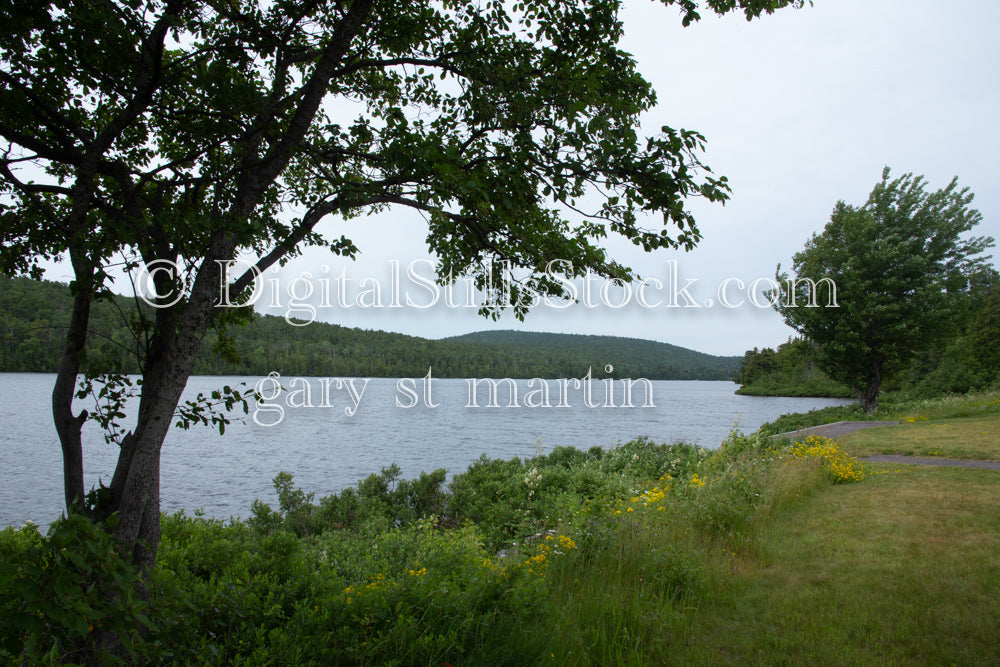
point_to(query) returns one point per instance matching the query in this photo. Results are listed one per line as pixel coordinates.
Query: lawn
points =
(976, 437)
(902, 568)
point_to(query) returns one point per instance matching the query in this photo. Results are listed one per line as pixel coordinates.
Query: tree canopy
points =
(166, 137)
(899, 263)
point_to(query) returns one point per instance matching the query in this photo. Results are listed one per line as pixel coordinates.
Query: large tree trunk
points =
(135, 487)
(868, 398)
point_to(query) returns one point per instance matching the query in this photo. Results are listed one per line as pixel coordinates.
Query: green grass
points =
(635, 595)
(975, 437)
(903, 569)
(893, 407)
(942, 407)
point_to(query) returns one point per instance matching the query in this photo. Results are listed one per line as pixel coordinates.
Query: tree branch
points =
(259, 176)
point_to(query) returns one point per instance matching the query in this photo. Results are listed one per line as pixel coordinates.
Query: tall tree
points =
(897, 263)
(175, 135)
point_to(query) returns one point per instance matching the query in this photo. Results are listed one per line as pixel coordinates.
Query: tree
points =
(968, 360)
(171, 136)
(984, 332)
(898, 265)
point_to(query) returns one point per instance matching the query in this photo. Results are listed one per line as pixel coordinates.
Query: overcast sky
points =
(800, 109)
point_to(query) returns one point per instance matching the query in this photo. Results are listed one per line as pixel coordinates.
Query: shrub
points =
(68, 597)
(479, 571)
(493, 494)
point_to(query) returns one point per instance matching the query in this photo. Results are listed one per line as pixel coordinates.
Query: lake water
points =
(327, 449)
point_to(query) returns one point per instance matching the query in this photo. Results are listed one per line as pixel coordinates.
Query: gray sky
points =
(800, 109)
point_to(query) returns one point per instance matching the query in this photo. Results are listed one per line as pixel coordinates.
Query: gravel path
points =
(834, 430)
(842, 428)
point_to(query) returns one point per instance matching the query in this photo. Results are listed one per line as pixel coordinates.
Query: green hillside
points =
(631, 357)
(34, 315)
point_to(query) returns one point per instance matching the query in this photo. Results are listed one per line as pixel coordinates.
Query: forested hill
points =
(34, 316)
(631, 357)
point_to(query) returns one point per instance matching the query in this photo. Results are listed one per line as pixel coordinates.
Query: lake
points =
(331, 434)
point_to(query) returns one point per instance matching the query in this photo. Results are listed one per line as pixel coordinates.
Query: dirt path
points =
(837, 429)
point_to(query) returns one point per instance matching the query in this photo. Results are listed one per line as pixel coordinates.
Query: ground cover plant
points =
(643, 553)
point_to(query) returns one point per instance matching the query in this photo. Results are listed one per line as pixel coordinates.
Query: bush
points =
(68, 597)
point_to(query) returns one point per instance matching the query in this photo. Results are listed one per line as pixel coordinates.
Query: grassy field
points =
(901, 569)
(975, 437)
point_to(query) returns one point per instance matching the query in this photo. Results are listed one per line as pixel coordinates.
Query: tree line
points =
(34, 315)
(968, 360)
(789, 370)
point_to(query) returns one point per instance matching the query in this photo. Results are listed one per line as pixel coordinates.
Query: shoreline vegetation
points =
(961, 364)
(790, 370)
(815, 388)
(764, 550)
